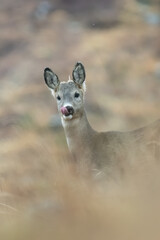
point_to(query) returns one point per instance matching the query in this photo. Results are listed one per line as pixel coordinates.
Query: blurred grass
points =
(41, 194)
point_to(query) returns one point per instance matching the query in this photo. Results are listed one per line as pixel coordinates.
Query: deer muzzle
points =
(66, 111)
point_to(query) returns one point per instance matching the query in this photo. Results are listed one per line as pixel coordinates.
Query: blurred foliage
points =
(42, 196)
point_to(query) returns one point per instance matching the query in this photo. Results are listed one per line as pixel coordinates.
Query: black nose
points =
(70, 110)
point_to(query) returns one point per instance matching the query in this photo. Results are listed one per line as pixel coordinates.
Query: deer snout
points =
(67, 110)
(70, 110)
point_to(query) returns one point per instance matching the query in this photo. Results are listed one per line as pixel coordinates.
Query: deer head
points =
(69, 95)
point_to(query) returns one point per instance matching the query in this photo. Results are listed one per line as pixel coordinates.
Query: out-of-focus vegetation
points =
(41, 196)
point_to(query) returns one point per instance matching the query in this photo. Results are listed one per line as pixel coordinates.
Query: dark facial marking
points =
(58, 98)
(76, 95)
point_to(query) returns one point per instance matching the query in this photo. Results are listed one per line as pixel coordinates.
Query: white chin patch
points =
(67, 117)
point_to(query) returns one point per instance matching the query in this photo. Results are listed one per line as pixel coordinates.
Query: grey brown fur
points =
(99, 150)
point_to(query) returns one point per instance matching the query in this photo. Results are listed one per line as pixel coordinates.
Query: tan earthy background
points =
(119, 44)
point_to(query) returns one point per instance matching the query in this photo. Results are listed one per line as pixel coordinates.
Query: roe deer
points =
(101, 150)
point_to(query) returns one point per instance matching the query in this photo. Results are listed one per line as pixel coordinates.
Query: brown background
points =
(118, 43)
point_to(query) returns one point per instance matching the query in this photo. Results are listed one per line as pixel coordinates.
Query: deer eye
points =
(58, 98)
(76, 95)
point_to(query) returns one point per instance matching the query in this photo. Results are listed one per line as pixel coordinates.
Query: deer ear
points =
(51, 79)
(79, 74)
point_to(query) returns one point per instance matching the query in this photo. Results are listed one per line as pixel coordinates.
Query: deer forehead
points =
(67, 87)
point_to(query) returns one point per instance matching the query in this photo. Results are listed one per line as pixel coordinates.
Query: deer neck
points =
(79, 135)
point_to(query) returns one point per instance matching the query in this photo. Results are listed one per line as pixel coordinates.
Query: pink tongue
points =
(64, 111)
